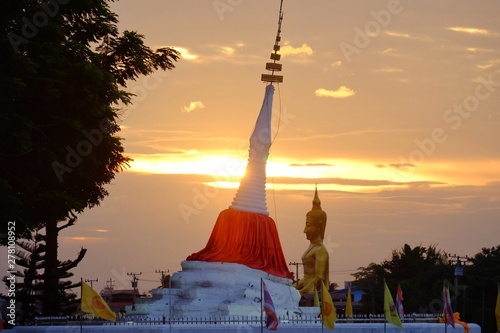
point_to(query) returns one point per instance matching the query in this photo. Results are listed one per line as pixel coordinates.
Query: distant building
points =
(119, 299)
(339, 298)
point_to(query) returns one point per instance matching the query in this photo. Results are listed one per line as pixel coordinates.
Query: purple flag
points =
(447, 311)
(399, 302)
(271, 318)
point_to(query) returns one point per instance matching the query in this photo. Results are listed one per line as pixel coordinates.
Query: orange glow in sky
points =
(397, 124)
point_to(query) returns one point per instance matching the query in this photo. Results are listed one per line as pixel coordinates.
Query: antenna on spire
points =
(274, 66)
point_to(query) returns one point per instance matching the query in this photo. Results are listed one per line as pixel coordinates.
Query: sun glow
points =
(362, 176)
(212, 165)
(226, 172)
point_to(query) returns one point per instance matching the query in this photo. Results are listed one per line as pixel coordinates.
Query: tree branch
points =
(67, 265)
(71, 221)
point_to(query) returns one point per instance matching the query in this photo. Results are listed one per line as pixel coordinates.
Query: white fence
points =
(227, 320)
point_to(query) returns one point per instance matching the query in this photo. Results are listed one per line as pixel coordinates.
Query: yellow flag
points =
(497, 309)
(391, 315)
(328, 311)
(93, 303)
(348, 304)
(316, 297)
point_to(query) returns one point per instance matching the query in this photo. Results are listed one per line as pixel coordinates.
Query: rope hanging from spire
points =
(274, 66)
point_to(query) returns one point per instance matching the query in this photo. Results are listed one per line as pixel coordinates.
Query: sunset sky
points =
(391, 107)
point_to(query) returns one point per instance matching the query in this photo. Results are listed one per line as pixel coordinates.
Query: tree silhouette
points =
(64, 69)
(419, 270)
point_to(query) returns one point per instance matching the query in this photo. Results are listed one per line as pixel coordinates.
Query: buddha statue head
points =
(315, 220)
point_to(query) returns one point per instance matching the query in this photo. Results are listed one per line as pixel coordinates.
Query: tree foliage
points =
(421, 272)
(481, 280)
(30, 298)
(64, 69)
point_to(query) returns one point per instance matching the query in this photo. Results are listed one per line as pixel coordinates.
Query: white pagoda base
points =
(218, 289)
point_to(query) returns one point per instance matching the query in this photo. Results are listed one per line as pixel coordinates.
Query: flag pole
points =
(170, 304)
(497, 307)
(261, 306)
(321, 308)
(445, 284)
(81, 295)
(385, 317)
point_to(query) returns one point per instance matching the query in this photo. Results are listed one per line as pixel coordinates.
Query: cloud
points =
(476, 49)
(80, 239)
(301, 51)
(490, 64)
(227, 50)
(406, 36)
(197, 105)
(388, 70)
(471, 31)
(391, 52)
(397, 34)
(342, 92)
(310, 164)
(400, 166)
(226, 53)
(186, 54)
(336, 64)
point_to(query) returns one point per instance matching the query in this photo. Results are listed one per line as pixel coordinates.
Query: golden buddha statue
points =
(315, 260)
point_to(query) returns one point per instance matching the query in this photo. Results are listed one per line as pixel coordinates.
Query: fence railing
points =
(226, 320)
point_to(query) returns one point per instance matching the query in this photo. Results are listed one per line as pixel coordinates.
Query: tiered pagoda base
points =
(218, 289)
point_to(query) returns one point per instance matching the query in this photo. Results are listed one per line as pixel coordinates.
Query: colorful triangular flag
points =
(399, 302)
(328, 311)
(316, 297)
(348, 304)
(93, 303)
(271, 318)
(391, 314)
(447, 311)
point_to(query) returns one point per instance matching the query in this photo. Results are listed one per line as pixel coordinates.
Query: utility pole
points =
(296, 264)
(460, 262)
(91, 282)
(162, 276)
(134, 285)
(110, 284)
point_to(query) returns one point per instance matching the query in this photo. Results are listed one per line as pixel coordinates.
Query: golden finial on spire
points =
(275, 56)
(316, 202)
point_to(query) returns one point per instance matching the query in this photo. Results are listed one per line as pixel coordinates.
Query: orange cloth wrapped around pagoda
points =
(246, 238)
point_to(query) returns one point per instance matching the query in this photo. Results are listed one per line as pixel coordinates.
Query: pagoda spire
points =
(274, 66)
(251, 194)
(244, 233)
